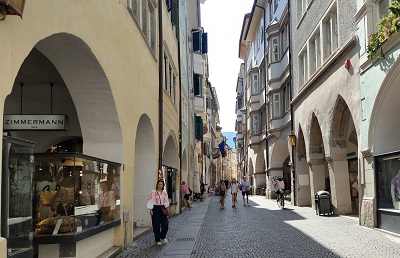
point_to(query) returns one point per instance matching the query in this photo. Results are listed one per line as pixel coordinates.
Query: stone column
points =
(317, 177)
(340, 185)
(303, 189)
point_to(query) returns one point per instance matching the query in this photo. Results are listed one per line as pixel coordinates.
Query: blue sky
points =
(222, 20)
(229, 136)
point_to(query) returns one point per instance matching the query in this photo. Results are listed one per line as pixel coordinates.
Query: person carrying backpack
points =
(186, 192)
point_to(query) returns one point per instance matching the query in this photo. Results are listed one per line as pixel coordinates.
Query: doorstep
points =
(139, 232)
(112, 252)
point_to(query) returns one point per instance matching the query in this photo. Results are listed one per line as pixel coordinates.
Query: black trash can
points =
(323, 205)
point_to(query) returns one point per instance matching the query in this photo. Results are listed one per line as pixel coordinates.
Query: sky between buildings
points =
(222, 20)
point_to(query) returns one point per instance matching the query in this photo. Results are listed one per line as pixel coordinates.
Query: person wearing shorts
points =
(234, 191)
(245, 190)
(186, 192)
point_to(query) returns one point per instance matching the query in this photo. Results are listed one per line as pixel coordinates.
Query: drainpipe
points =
(180, 108)
(160, 85)
(265, 97)
(291, 103)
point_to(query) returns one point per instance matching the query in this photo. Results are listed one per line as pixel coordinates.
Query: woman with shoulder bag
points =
(158, 200)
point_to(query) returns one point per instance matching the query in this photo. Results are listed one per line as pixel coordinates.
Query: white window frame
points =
(303, 67)
(276, 105)
(330, 30)
(275, 49)
(255, 124)
(255, 89)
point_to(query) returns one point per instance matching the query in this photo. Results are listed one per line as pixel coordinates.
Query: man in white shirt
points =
(245, 190)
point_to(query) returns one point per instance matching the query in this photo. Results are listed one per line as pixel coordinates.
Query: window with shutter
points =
(197, 87)
(204, 43)
(199, 128)
(197, 41)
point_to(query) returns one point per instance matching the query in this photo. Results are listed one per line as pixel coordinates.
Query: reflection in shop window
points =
(74, 192)
(388, 174)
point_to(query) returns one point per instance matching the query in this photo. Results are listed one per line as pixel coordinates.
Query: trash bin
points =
(323, 205)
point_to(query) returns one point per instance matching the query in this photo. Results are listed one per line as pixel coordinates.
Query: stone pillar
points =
(317, 177)
(303, 189)
(367, 191)
(340, 185)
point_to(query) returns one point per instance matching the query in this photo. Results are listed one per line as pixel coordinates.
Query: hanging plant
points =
(387, 26)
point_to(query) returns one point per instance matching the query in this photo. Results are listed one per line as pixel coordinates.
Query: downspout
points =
(291, 103)
(180, 106)
(160, 86)
(265, 97)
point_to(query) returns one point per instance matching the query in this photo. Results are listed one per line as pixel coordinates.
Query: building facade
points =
(379, 66)
(325, 102)
(83, 106)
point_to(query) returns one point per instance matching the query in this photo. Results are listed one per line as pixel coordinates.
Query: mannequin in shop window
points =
(395, 190)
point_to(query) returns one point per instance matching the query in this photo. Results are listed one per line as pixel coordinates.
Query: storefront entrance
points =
(52, 190)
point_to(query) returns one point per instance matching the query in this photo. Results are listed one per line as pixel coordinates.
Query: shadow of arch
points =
(341, 123)
(316, 143)
(144, 170)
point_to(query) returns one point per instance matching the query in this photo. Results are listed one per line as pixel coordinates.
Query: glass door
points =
(16, 196)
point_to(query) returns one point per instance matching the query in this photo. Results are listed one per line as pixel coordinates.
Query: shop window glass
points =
(69, 191)
(388, 176)
(169, 177)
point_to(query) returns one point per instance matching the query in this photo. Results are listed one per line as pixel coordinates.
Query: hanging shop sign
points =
(35, 122)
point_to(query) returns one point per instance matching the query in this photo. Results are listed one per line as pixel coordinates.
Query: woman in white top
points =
(157, 199)
(234, 192)
(106, 202)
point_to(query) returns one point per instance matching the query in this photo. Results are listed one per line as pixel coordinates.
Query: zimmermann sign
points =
(35, 122)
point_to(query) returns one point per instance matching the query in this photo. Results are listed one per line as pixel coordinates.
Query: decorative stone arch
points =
(342, 122)
(279, 153)
(145, 170)
(384, 113)
(260, 172)
(92, 95)
(170, 153)
(301, 145)
(73, 66)
(302, 173)
(316, 149)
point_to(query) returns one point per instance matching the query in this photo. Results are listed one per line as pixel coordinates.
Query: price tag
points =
(58, 225)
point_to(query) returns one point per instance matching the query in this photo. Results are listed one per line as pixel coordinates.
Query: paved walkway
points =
(263, 230)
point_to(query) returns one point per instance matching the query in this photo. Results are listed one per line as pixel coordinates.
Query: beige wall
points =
(129, 65)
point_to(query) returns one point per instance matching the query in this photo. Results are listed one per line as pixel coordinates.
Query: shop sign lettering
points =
(35, 122)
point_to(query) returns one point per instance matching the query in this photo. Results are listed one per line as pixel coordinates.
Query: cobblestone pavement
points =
(263, 230)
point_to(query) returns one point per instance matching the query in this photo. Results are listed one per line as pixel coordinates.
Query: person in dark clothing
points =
(202, 190)
(226, 183)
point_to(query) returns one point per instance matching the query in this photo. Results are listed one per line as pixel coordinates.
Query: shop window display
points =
(73, 193)
(388, 175)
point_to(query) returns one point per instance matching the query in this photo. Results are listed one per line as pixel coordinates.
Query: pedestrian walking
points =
(234, 192)
(157, 200)
(186, 196)
(222, 192)
(202, 190)
(245, 190)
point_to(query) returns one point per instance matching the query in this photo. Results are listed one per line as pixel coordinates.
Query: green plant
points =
(387, 26)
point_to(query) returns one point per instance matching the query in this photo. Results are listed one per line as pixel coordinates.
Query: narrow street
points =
(263, 230)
